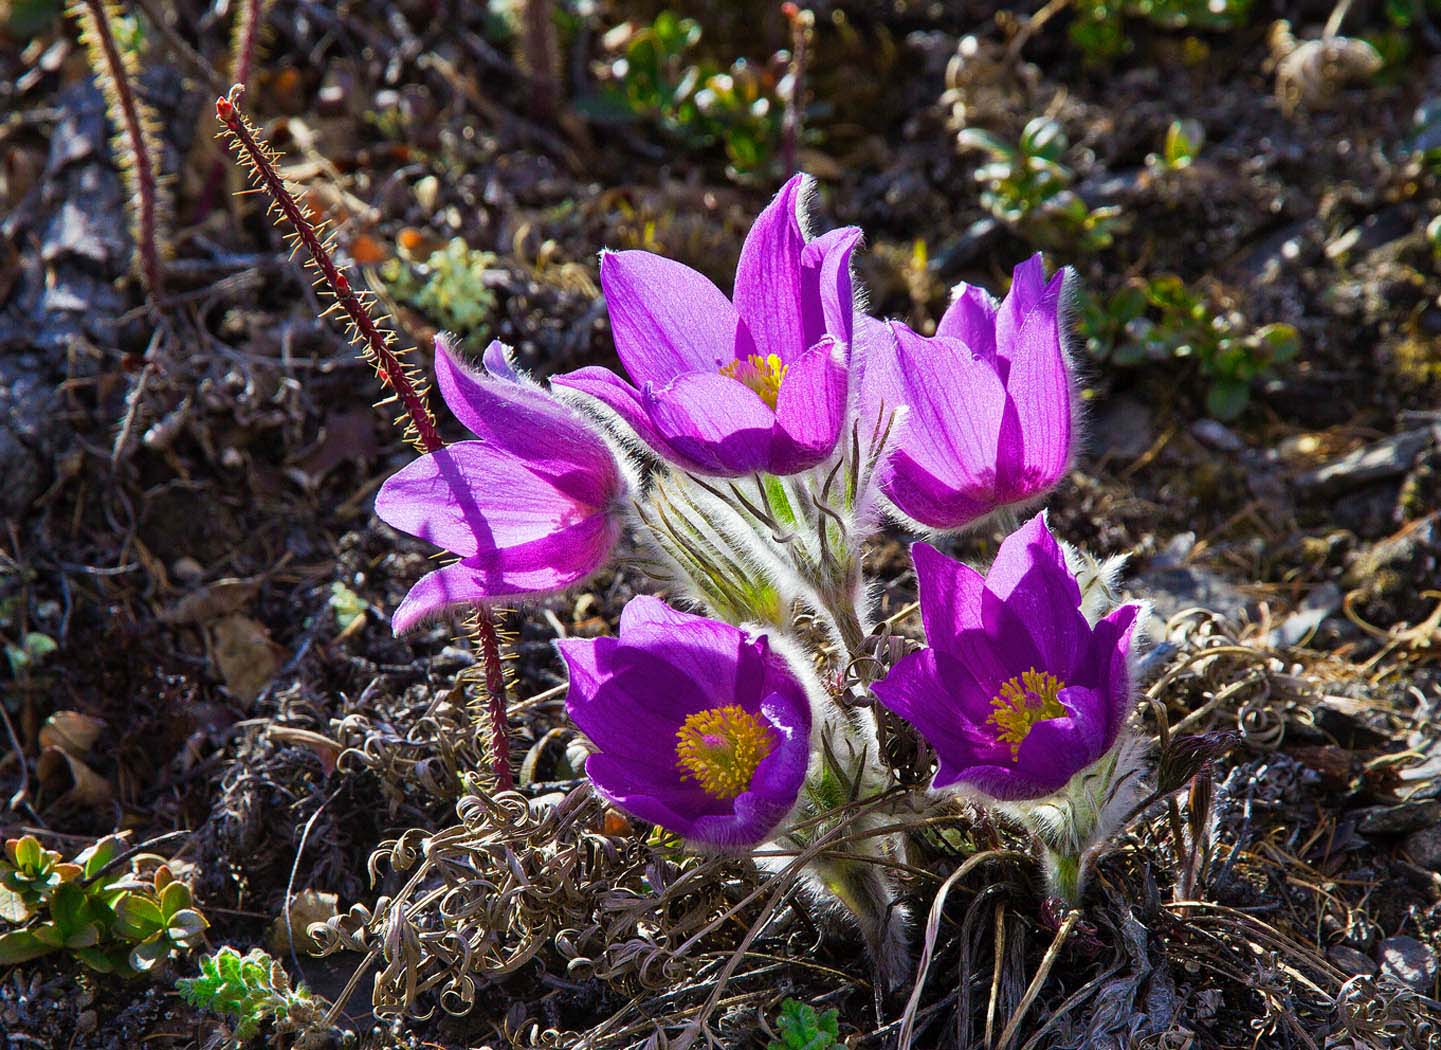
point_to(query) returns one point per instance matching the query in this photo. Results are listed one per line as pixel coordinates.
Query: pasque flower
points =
(729, 386)
(700, 727)
(988, 400)
(1017, 692)
(531, 506)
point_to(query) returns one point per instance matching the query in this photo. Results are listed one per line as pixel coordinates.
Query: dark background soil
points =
(189, 583)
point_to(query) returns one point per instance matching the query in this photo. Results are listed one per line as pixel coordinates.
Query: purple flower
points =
(988, 398)
(1017, 692)
(728, 387)
(700, 728)
(530, 506)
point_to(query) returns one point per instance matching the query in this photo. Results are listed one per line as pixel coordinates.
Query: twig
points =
(933, 929)
(1038, 981)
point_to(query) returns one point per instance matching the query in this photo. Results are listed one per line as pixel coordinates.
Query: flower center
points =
(761, 374)
(720, 748)
(1023, 701)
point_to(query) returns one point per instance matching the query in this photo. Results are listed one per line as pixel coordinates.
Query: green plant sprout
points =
(1099, 26)
(113, 922)
(252, 989)
(802, 1028)
(693, 101)
(1184, 139)
(1160, 319)
(1026, 186)
(449, 287)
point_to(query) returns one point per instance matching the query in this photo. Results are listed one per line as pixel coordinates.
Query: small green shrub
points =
(1163, 320)
(1099, 26)
(251, 990)
(1026, 187)
(449, 287)
(113, 922)
(1184, 139)
(693, 101)
(801, 1028)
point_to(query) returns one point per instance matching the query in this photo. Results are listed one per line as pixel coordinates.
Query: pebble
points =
(1387, 458)
(1355, 963)
(1400, 819)
(1409, 962)
(1424, 847)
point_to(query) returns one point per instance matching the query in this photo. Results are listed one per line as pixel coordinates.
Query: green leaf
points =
(21, 946)
(145, 955)
(28, 853)
(94, 858)
(138, 917)
(1183, 142)
(186, 926)
(1227, 398)
(13, 906)
(174, 897)
(801, 1028)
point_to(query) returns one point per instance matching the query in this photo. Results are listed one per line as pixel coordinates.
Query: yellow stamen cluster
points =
(720, 748)
(761, 374)
(1023, 701)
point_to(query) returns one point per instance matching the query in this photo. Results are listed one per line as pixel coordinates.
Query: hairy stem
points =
(375, 345)
(138, 150)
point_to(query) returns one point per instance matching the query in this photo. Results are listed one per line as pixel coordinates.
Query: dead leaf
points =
(308, 907)
(69, 780)
(71, 731)
(219, 599)
(245, 655)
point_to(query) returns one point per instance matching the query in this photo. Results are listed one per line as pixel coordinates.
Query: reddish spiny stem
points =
(247, 39)
(394, 375)
(387, 365)
(135, 132)
(495, 699)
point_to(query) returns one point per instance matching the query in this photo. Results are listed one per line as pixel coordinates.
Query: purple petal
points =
(944, 702)
(552, 563)
(1111, 649)
(667, 319)
(1005, 783)
(971, 318)
(949, 439)
(1040, 388)
(827, 297)
(950, 595)
(810, 408)
(923, 497)
(677, 808)
(469, 498)
(1058, 748)
(498, 362)
(768, 289)
(780, 774)
(713, 661)
(712, 422)
(1031, 577)
(523, 420)
(603, 699)
(1028, 286)
(621, 398)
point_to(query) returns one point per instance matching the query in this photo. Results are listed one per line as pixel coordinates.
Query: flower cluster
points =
(753, 445)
